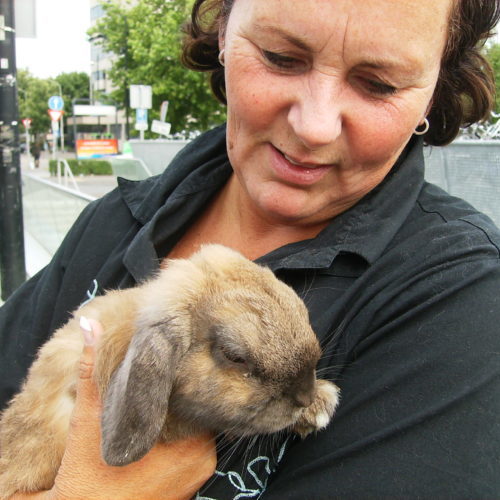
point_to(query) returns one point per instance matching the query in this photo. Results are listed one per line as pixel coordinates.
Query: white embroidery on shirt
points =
(237, 481)
(91, 294)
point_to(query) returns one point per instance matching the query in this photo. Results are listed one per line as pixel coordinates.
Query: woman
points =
(319, 175)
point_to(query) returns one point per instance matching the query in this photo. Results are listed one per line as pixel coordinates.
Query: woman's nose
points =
(315, 114)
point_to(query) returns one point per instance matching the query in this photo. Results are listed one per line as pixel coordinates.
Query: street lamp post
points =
(12, 261)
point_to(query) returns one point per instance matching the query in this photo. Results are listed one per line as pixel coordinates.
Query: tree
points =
(73, 85)
(34, 94)
(493, 56)
(146, 40)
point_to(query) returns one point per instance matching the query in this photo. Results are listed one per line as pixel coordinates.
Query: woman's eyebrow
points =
(410, 67)
(293, 39)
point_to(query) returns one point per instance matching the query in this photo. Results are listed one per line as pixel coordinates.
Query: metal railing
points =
(66, 174)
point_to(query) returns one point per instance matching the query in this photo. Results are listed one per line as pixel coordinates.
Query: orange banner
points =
(96, 148)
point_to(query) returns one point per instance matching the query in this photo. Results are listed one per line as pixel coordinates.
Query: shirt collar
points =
(186, 172)
(202, 167)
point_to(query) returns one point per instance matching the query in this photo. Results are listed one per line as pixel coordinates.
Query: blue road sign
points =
(56, 103)
(141, 115)
(141, 119)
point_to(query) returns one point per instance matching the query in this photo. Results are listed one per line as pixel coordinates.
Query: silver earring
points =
(424, 130)
(221, 57)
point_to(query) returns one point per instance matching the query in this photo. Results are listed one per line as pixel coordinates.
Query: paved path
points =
(94, 185)
(37, 255)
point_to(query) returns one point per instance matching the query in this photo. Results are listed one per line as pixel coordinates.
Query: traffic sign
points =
(55, 114)
(141, 96)
(56, 102)
(55, 128)
(141, 119)
(27, 123)
(160, 127)
(163, 111)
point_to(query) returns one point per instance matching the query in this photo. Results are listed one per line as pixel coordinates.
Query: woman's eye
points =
(280, 61)
(378, 88)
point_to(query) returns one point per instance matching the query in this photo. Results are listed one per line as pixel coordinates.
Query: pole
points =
(62, 116)
(12, 262)
(27, 130)
(62, 133)
(55, 130)
(73, 102)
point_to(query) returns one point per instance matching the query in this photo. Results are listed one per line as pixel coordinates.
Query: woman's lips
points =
(297, 163)
(293, 171)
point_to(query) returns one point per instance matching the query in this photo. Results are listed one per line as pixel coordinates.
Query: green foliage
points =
(493, 56)
(84, 167)
(34, 94)
(73, 85)
(146, 40)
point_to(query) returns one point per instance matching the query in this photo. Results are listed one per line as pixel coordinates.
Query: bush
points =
(84, 167)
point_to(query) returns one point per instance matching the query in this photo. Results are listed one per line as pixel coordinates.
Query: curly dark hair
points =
(465, 89)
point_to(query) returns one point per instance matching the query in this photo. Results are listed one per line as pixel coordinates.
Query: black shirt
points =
(402, 291)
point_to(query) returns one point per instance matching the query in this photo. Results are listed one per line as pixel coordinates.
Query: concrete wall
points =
(156, 154)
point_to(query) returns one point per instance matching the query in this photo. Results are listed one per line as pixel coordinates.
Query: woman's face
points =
(323, 95)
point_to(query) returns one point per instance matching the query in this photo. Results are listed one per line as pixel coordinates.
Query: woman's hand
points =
(169, 471)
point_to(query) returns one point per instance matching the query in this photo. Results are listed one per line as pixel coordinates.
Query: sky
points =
(61, 44)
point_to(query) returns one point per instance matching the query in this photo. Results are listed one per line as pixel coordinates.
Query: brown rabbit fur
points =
(213, 342)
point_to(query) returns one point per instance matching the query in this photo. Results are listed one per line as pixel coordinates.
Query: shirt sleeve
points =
(37, 308)
(420, 395)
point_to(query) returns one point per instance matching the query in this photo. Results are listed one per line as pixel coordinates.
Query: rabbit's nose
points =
(302, 391)
(303, 399)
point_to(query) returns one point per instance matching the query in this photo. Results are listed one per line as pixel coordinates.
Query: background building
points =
(100, 88)
(100, 61)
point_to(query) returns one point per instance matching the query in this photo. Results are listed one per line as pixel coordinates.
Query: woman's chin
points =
(284, 207)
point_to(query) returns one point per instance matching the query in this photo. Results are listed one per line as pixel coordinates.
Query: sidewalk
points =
(36, 255)
(92, 185)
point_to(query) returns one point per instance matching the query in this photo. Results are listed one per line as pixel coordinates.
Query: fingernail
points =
(86, 327)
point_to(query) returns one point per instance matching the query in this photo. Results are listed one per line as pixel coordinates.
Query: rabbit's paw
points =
(318, 415)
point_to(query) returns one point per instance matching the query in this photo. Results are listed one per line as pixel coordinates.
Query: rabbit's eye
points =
(232, 356)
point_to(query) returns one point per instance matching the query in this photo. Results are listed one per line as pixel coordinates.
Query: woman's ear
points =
(136, 402)
(222, 36)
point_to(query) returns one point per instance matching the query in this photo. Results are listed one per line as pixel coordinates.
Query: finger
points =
(87, 404)
(91, 331)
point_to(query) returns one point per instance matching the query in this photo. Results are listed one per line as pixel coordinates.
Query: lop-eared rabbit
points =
(214, 342)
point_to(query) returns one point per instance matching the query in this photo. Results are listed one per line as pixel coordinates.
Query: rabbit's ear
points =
(136, 401)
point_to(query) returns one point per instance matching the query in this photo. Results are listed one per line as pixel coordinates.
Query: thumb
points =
(91, 330)
(84, 435)
(87, 396)
(82, 454)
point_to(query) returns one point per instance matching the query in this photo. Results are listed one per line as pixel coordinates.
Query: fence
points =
(470, 170)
